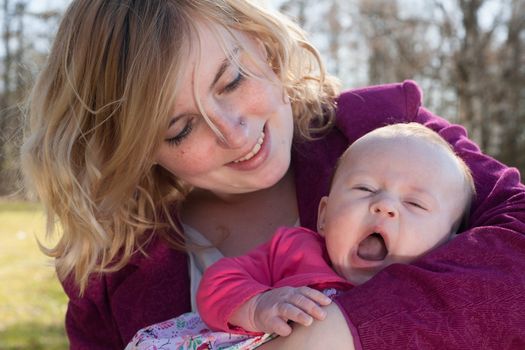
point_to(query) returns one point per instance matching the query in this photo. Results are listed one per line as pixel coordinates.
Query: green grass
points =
(32, 303)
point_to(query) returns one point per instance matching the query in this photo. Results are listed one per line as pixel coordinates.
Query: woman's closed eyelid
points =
(185, 131)
(233, 84)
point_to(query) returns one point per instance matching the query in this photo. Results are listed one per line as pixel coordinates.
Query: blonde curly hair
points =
(99, 110)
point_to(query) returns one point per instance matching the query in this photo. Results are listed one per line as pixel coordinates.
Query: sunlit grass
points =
(32, 303)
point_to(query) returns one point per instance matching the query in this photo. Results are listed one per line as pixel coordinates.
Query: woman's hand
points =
(270, 311)
(331, 333)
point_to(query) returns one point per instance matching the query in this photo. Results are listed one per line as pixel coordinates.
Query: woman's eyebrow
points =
(224, 65)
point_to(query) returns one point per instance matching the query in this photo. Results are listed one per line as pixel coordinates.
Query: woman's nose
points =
(231, 129)
(384, 206)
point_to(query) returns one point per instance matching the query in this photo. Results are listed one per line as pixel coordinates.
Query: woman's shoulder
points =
(406, 96)
(364, 109)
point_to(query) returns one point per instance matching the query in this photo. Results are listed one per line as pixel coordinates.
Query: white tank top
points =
(201, 259)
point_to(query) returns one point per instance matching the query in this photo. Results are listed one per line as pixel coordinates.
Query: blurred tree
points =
(296, 9)
(508, 102)
(24, 51)
(468, 56)
(486, 69)
(10, 118)
(398, 45)
(331, 27)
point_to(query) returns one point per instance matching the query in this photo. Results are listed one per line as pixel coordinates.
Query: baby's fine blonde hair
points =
(100, 107)
(421, 132)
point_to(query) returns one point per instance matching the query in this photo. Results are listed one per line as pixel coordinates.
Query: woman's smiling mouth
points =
(254, 150)
(257, 155)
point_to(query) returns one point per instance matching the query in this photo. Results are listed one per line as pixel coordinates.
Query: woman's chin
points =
(271, 174)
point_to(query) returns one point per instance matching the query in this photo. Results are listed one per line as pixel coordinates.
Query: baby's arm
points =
(270, 311)
(292, 259)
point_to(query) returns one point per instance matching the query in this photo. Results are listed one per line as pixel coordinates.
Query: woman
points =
(161, 128)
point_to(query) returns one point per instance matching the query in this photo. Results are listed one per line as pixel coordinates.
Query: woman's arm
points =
(331, 333)
(89, 323)
(116, 305)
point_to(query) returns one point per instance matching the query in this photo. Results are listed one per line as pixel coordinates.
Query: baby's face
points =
(391, 201)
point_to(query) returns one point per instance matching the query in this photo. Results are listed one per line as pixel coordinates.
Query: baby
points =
(397, 192)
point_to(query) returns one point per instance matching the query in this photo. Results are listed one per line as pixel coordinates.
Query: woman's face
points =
(250, 112)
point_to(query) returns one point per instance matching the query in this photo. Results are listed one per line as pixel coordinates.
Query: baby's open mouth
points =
(372, 248)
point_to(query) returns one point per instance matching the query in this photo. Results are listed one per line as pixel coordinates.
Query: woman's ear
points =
(321, 213)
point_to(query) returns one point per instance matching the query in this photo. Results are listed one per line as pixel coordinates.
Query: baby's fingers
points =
(291, 312)
(315, 295)
(279, 327)
(308, 301)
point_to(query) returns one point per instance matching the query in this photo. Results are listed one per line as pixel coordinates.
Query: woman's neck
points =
(239, 198)
(237, 223)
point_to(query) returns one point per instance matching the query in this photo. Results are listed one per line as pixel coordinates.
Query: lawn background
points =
(32, 303)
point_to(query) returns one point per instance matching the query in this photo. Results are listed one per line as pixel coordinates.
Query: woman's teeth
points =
(254, 150)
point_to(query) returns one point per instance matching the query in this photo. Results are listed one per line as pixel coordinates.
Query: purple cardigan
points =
(467, 294)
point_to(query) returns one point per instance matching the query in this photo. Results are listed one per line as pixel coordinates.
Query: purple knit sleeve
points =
(467, 294)
(83, 313)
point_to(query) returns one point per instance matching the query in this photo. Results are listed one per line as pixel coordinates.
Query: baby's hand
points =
(274, 308)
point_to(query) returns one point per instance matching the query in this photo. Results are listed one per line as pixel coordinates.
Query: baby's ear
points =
(321, 213)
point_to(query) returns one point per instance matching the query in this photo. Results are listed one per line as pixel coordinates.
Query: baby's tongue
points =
(372, 248)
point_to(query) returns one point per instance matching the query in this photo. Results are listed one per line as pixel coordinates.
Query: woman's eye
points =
(176, 140)
(234, 84)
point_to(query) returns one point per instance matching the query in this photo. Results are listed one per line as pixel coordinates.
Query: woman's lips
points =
(254, 150)
(256, 156)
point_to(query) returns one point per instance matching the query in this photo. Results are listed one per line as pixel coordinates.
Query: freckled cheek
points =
(187, 163)
(262, 97)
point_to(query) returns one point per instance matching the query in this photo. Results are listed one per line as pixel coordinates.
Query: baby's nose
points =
(384, 206)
